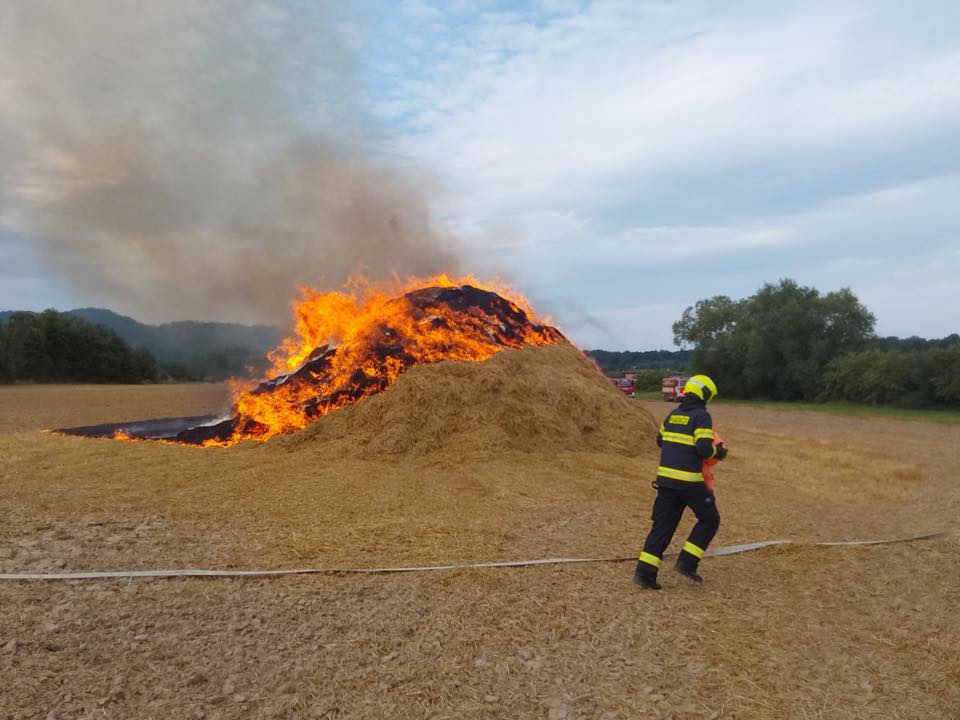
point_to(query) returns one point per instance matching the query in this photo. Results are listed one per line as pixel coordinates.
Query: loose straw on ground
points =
(724, 550)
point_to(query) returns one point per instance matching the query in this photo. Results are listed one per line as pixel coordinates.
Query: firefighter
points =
(686, 440)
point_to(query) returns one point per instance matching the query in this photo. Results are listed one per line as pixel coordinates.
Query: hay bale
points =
(535, 400)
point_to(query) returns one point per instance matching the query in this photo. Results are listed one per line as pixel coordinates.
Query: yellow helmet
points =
(702, 387)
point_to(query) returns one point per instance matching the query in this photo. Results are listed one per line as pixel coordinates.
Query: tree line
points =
(57, 347)
(788, 342)
(785, 342)
(180, 351)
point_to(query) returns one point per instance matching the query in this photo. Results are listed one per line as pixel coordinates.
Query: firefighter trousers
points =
(667, 511)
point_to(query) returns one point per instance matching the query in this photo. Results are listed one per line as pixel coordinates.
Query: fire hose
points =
(192, 572)
(196, 572)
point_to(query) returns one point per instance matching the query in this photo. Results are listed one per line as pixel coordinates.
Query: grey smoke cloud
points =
(199, 158)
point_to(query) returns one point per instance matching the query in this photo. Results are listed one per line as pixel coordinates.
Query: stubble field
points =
(795, 632)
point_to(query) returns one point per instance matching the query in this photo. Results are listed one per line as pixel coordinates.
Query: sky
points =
(615, 161)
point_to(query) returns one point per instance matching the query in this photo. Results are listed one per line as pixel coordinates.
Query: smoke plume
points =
(199, 158)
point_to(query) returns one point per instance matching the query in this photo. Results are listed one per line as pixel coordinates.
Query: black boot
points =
(646, 576)
(688, 570)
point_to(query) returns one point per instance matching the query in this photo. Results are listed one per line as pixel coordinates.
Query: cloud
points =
(877, 243)
(622, 93)
(615, 141)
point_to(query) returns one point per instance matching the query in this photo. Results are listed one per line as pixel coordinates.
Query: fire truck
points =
(624, 385)
(673, 388)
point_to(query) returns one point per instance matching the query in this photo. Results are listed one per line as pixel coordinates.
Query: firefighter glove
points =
(721, 451)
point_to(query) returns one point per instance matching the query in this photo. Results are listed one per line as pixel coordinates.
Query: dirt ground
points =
(795, 632)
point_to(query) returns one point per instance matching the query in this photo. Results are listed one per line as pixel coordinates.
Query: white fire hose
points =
(189, 572)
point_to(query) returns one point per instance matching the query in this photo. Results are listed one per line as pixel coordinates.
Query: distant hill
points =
(190, 350)
(615, 363)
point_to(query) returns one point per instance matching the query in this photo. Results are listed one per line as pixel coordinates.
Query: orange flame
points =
(340, 318)
(351, 328)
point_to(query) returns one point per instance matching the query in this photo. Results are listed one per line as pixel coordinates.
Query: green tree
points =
(776, 343)
(710, 328)
(648, 380)
(57, 347)
(925, 378)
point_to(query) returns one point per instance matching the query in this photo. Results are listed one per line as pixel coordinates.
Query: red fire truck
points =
(673, 388)
(624, 385)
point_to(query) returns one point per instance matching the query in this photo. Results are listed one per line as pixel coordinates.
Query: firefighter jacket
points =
(685, 440)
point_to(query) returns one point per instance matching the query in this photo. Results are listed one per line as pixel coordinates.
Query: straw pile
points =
(534, 400)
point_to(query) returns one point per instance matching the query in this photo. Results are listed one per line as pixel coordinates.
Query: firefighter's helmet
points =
(702, 387)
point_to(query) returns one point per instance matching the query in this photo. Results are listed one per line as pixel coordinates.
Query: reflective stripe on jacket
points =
(685, 440)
